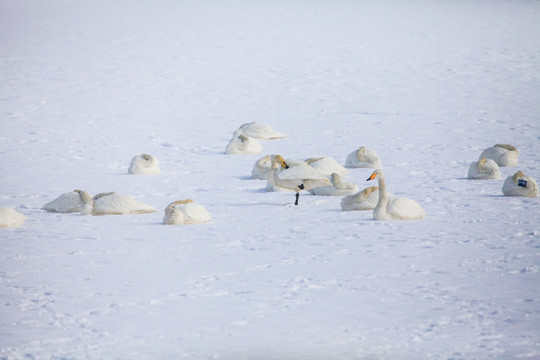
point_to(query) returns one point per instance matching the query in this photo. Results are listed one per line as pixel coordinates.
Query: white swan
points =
(363, 158)
(112, 204)
(484, 169)
(10, 217)
(261, 168)
(520, 185)
(298, 176)
(366, 199)
(144, 164)
(502, 154)
(338, 187)
(395, 208)
(243, 144)
(65, 203)
(326, 165)
(185, 212)
(261, 131)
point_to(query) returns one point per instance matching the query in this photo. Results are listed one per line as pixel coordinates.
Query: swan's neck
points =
(380, 208)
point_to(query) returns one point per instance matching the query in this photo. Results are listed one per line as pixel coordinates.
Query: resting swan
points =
(261, 168)
(144, 164)
(338, 187)
(112, 204)
(243, 144)
(66, 203)
(502, 154)
(299, 176)
(363, 158)
(326, 165)
(10, 218)
(484, 169)
(185, 212)
(261, 131)
(363, 200)
(520, 185)
(395, 208)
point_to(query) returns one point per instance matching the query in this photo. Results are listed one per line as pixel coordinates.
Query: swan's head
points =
(146, 157)
(481, 163)
(85, 197)
(376, 174)
(278, 160)
(335, 178)
(518, 175)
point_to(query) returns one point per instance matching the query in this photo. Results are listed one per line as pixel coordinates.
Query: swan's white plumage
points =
(112, 204)
(326, 166)
(144, 164)
(484, 169)
(10, 217)
(261, 168)
(65, 203)
(243, 144)
(394, 208)
(260, 130)
(338, 187)
(295, 175)
(363, 158)
(520, 184)
(365, 199)
(502, 154)
(185, 212)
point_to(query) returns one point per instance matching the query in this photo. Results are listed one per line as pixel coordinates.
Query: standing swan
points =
(185, 212)
(502, 154)
(297, 177)
(144, 164)
(112, 204)
(10, 217)
(396, 208)
(520, 185)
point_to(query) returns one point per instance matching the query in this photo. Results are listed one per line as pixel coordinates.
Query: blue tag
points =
(522, 183)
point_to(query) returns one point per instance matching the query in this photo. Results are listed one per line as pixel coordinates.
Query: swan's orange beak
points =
(372, 176)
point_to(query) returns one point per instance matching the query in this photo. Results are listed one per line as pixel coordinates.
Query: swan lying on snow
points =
(66, 203)
(520, 185)
(395, 208)
(338, 187)
(502, 154)
(326, 166)
(366, 199)
(298, 176)
(363, 158)
(144, 164)
(261, 168)
(185, 212)
(243, 144)
(484, 169)
(261, 131)
(112, 204)
(10, 217)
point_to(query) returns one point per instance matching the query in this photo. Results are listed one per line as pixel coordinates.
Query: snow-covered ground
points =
(87, 85)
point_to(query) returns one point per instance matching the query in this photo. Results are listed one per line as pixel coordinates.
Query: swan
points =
(363, 158)
(144, 164)
(395, 208)
(338, 187)
(185, 212)
(66, 203)
(298, 176)
(261, 131)
(484, 169)
(261, 168)
(243, 144)
(520, 185)
(363, 200)
(502, 154)
(112, 203)
(10, 217)
(326, 165)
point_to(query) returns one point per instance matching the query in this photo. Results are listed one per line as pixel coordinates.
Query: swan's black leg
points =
(297, 196)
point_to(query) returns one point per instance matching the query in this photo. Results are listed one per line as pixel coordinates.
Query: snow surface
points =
(426, 84)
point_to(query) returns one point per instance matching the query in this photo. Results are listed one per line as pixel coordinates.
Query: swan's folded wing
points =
(300, 172)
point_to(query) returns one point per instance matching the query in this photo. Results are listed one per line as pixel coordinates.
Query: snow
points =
(427, 85)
